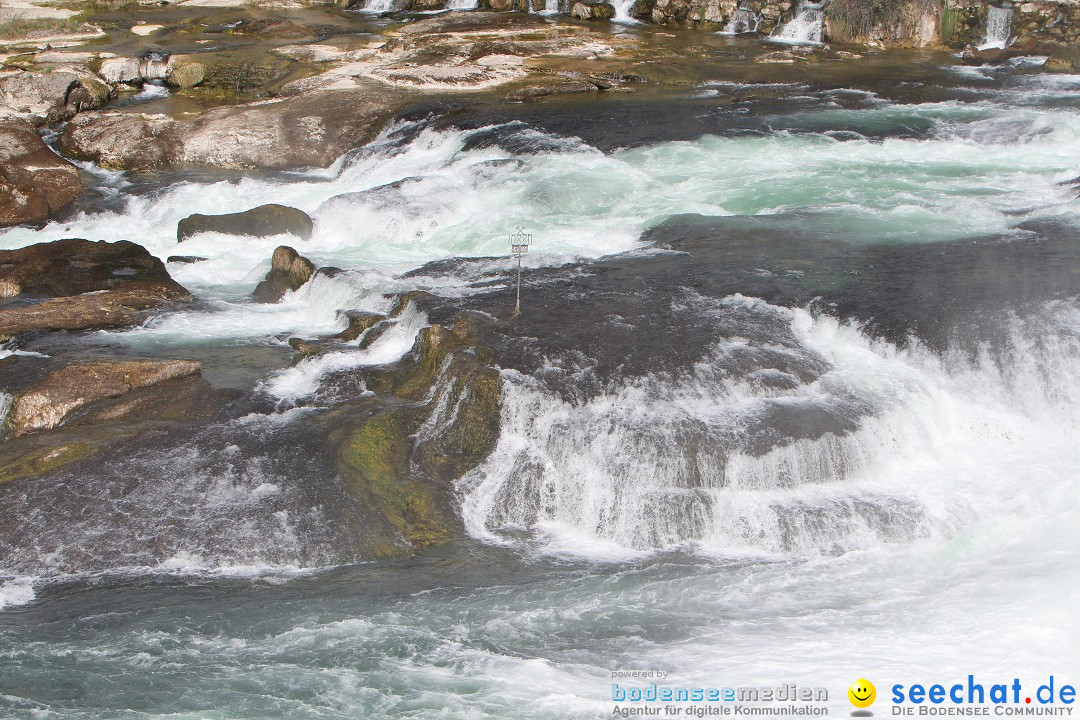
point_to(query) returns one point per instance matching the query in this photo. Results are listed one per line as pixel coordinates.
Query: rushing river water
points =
(796, 399)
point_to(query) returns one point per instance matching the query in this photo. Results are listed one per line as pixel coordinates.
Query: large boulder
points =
(124, 141)
(311, 129)
(75, 266)
(34, 181)
(288, 271)
(92, 285)
(48, 97)
(48, 403)
(261, 221)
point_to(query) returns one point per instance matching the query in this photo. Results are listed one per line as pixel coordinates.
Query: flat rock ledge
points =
(53, 400)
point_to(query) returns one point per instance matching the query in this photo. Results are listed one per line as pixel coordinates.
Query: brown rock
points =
(288, 271)
(47, 404)
(75, 266)
(123, 141)
(359, 322)
(118, 282)
(34, 181)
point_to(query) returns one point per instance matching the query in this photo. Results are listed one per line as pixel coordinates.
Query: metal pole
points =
(517, 307)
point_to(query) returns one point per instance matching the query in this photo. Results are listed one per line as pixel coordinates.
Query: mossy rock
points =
(359, 323)
(375, 468)
(43, 459)
(467, 426)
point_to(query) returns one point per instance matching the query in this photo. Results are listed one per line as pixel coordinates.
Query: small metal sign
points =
(519, 245)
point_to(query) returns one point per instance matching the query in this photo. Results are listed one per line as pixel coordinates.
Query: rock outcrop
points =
(261, 221)
(288, 271)
(91, 285)
(50, 402)
(123, 141)
(34, 181)
(310, 129)
(76, 266)
(49, 97)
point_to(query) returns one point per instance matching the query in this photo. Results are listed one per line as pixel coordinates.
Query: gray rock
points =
(260, 221)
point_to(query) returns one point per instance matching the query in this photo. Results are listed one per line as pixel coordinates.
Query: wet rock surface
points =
(87, 285)
(34, 182)
(49, 403)
(260, 221)
(288, 271)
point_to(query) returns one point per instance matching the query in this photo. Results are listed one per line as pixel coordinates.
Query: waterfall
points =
(622, 11)
(462, 5)
(378, 6)
(998, 28)
(806, 28)
(744, 20)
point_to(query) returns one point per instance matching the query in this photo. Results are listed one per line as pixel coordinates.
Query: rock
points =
(49, 97)
(133, 70)
(592, 11)
(560, 87)
(94, 285)
(72, 267)
(260, 221)
(123, 141)
(359, 323)
(228, 71)
(184, 73)
(185, 259)
(122, 307)
(34, 181)
(312, 129)
(500, 5)
(288, 271)
(304, 349)
(50, 402)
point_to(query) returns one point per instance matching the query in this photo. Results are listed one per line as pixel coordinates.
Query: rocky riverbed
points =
(799, 332)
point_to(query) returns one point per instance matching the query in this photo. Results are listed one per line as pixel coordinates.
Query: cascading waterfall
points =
(998, 28)
(806, 28)
(462, 5)
(743, 21)
(378, 6)
(665, 461)
(622, 11)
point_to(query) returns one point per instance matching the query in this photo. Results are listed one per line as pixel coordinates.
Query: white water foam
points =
(742, 21)
(304, 379)
(395, 206)
(16, 592)
(939, 452)
(806, 28)
(998, 28)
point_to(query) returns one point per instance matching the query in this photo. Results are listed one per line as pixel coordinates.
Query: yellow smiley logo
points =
(862, 693)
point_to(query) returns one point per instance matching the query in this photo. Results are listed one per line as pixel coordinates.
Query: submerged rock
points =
(34, 182)
(359, 323)
(50, 402)
(288, 271)
(260, 221)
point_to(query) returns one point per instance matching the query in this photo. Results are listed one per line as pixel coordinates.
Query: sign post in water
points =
(519, 245)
